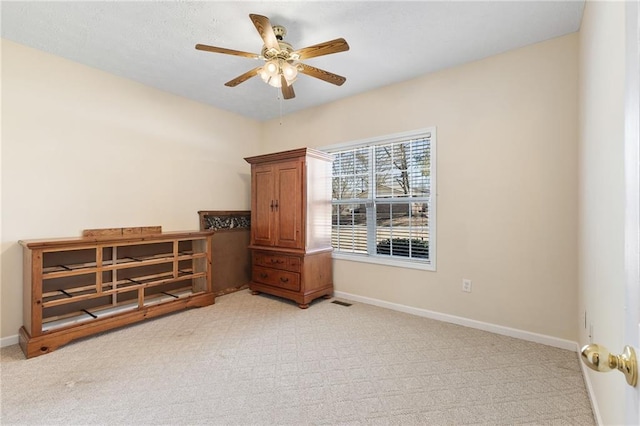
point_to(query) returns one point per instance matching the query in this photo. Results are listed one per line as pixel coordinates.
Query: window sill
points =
(386, 261)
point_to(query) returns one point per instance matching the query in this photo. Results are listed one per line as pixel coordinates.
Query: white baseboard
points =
(590, 392)
(493, 328)
(8, 341)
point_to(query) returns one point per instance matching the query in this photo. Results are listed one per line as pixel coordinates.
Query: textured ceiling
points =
(153, 42)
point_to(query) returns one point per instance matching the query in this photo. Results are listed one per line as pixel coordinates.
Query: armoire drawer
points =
(287, 263)
(276, 278)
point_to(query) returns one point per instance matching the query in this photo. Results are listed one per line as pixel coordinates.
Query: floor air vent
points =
(337, 302)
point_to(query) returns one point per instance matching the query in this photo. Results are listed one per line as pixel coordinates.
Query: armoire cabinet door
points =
(288, 213)
(262, 205)
(277, 205)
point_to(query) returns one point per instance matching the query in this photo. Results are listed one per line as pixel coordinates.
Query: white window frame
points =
(397, 261)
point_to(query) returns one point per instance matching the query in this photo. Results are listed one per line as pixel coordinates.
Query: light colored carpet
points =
(261, 360)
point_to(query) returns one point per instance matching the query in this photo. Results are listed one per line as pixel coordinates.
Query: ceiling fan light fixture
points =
(290, 72)
(272, 71)
(274, 82)
(272, 68)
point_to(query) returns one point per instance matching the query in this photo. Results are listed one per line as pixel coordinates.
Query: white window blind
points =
(383, 204)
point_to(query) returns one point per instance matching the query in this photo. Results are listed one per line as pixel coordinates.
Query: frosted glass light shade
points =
(273, 70)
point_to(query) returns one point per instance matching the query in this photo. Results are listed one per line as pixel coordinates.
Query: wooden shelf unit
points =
(76, 287)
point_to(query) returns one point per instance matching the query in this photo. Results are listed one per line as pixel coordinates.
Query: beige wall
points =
(602, 198)
(507, 185)
(85, 149)
(122, 154)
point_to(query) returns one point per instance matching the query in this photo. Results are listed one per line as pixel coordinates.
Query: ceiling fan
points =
(282, 62)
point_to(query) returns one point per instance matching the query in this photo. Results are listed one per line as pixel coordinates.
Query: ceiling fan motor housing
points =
(285, 51)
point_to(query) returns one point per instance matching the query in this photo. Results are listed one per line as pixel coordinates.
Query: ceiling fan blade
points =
(242, 78)
(287, 91)
(227, 51)
(326, 48)
(263, 25)
(327, 76)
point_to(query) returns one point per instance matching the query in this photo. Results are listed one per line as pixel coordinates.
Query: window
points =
(383, 209)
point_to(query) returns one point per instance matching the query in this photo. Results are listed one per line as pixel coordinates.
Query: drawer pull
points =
(284, 279)
(263, 275)
(277, 261)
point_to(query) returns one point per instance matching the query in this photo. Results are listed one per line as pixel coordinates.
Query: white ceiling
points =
(391, 41)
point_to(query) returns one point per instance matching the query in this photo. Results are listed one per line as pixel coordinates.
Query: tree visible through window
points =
(382, 198)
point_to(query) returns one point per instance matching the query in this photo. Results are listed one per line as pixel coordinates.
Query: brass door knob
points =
(598, 358)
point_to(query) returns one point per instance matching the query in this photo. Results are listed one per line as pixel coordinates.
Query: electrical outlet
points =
(466, 285)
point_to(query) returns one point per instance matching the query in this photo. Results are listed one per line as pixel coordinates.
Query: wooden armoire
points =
(291, 225)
